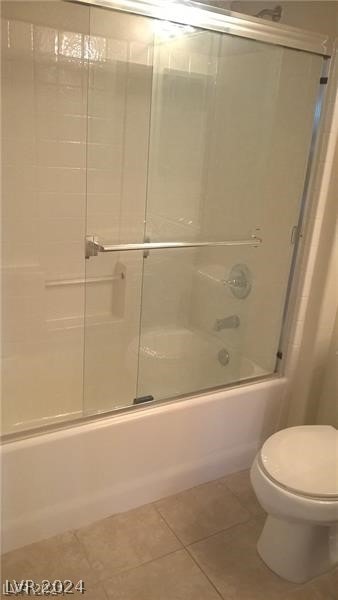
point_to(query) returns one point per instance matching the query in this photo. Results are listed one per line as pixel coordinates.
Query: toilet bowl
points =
(295, 478)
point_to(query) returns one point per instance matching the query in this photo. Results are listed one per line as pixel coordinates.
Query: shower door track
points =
(212, 18)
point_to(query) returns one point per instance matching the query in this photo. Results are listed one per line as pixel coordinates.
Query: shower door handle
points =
(94, 246)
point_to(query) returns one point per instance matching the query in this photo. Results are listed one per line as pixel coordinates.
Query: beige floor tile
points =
(239, 484)
(202, 511)
(328, 584)
(127, 540)
(306, 592)
(60, 557)
(231, 562)
(92, 593)
(173, 577)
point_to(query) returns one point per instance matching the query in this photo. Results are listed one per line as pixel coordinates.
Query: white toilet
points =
(295, 478)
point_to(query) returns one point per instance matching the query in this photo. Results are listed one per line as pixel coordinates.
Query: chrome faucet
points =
(227, 323)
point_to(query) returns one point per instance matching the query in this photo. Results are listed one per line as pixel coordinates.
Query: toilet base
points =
(297, 551)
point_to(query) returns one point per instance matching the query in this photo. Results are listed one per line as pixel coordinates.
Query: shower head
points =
(274, 13)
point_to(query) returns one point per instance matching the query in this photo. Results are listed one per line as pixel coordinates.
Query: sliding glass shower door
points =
(197, 151)
(180, 153)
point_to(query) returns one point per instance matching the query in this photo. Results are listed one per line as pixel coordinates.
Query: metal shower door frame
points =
(202, 16)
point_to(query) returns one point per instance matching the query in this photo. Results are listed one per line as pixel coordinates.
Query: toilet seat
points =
(303, 460)
(295, 479)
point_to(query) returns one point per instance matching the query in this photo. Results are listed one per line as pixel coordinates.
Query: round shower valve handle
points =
(239, 281)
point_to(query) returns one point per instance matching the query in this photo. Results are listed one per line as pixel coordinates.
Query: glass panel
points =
(231, 128)
(120, 50)
(44, 108)
(183, 101)
(230, 131)
(209, 319)
(196, 333)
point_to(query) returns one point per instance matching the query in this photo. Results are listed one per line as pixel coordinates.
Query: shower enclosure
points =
(156, 162)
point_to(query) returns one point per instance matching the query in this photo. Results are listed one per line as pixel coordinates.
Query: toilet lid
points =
(304, 459)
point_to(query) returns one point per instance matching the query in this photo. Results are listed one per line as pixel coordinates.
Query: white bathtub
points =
(71, 477)
(174, 361)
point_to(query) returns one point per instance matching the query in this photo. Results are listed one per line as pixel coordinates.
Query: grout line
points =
(206, 537)
(243, 505)
(105, 580)
(205, 574)
(189, 553)
(96, 579)
(238, 496)
(225, 530)
(183, 546)
(127, 569)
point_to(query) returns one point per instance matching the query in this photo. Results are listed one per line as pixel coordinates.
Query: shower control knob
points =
(239, 281)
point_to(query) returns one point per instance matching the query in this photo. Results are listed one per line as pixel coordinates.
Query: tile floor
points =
(197, 545)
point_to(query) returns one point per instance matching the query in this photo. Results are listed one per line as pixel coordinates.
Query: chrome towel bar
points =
(94, 246)
(81, 280)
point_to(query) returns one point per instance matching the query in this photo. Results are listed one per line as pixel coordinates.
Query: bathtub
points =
(198, 360)
(70, 477)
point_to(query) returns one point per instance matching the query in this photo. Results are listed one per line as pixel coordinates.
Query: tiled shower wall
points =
(44, 103)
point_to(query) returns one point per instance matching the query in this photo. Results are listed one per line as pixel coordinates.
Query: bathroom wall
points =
(313, 15)
(317, 294)
(328, 401)
(323, 401)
